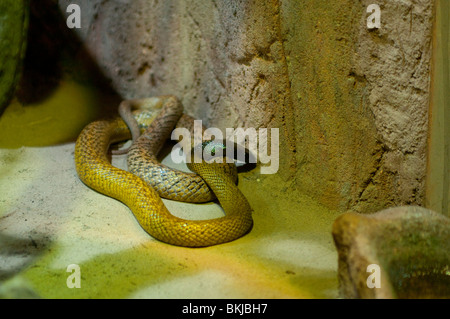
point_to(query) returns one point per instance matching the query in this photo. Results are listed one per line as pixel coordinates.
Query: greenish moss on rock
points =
(13, 33)
(408, 244)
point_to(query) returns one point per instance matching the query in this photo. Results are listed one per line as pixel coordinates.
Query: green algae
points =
(115, 275)
(57, 119)
(124, 274)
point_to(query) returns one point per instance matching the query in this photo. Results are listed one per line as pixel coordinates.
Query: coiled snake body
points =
(95, 170)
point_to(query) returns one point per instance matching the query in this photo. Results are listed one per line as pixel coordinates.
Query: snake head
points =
(221, 151)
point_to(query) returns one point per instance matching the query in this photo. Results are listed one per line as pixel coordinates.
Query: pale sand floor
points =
(49, 220)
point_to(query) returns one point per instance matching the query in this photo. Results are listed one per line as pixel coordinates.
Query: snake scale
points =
(96, 171)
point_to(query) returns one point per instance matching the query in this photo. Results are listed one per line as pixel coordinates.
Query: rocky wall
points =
(351, 103)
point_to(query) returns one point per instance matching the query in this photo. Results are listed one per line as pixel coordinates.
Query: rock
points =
(17, 288)
(13, 35)
(408, 245)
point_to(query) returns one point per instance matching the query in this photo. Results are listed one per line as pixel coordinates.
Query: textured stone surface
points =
(394, 64)
(409, 244)
(351, 103)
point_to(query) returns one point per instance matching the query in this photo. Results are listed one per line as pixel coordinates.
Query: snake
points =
(142, 155)
(96, 171)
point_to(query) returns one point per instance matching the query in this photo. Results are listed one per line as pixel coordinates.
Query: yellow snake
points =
(95, 170)
(142, 155)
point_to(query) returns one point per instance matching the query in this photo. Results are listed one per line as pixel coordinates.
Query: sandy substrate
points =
(49, 220)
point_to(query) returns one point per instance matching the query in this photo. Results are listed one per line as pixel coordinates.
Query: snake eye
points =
(211, 148)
